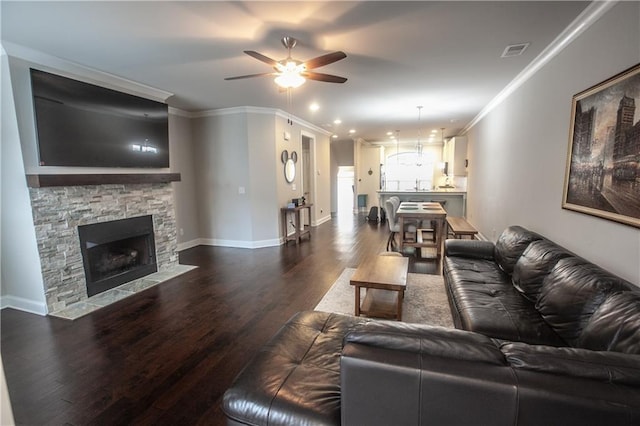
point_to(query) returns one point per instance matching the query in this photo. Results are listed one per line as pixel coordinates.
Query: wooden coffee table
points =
(385, 279)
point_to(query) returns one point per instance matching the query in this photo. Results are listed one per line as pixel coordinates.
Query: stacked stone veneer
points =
(58, 211)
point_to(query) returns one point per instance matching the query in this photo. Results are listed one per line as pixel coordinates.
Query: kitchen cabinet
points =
(455, 154)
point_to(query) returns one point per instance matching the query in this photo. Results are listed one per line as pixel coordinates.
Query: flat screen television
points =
(83, 125)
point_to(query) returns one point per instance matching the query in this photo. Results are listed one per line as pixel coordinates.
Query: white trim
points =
(82, 72)
(302, 122)
(256, 110)
(188, 244)
(239, 243)
(321, 220)
(22, 304)
(180, 112)
(233, 110)
(594, 11)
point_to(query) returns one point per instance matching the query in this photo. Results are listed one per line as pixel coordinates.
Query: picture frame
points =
(602, 176)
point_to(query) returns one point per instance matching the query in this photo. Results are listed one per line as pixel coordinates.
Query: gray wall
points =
(240, 184)
(263, 163)
(21, 284)
(222, 167)
(517, 153)
(181, 157)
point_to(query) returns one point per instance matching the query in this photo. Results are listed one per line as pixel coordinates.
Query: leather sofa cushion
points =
(295, 377)
(615, 325)
(602, 366)
(511, 244)
(485, 301)
(572, 292)
(534, 265)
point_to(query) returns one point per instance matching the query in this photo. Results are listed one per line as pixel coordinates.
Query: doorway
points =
(346, 176)
(307, 176)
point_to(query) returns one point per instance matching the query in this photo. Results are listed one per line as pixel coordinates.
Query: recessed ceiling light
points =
(335, 136)
(434, 131)
(314, 106)
(337, 121)
(352, 131)
(389, 133)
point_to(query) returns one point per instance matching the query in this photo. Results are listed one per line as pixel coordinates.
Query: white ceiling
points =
(444, 56)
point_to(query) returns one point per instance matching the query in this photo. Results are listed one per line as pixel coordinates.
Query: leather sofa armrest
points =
(604, 366)
(469, 248)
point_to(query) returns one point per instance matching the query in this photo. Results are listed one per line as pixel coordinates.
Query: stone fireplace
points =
(60, 211)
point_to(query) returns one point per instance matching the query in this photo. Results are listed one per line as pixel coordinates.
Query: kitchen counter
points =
(454, 200)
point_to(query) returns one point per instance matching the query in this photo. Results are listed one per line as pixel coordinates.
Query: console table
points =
(300, 231)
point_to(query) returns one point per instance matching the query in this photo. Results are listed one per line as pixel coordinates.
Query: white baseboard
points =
(322, 220)
(239, 243)
(22, 304)
(189, 244)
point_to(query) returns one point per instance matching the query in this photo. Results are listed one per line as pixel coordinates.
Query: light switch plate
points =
(287, 136)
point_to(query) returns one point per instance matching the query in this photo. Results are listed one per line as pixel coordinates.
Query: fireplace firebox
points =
(116, 252)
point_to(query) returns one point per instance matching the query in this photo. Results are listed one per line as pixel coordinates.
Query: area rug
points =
(425, 299)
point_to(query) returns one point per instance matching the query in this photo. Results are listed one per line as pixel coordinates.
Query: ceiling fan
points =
(291, 73)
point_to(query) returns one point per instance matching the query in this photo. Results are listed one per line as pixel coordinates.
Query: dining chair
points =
(394, 224)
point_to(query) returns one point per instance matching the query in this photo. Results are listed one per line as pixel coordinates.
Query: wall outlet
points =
(241, 190)
(293, 187)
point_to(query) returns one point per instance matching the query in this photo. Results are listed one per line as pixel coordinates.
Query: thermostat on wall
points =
(287, 136)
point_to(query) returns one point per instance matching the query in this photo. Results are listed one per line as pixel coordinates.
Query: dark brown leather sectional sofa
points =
(553, 339)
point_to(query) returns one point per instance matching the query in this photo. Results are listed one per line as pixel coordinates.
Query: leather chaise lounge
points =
(544, 337)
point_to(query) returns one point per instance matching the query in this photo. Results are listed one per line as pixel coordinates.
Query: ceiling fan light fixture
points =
(290, 80)
(290, 75)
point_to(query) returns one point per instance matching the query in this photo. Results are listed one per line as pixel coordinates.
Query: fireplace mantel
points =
(42, 181)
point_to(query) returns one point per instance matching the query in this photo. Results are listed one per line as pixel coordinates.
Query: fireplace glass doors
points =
(117, 252)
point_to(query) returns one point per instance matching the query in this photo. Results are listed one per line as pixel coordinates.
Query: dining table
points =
(421, 212)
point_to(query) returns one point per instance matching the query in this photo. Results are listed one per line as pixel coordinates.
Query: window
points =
(402, 171)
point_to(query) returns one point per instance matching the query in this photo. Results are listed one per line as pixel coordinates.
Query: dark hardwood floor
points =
(166, 355)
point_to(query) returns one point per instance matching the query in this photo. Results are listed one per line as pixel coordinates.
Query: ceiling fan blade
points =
(328, 78)
(261, 57)
(323, 60)
(262, 74)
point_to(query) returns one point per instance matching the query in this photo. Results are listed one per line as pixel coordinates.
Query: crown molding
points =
(590, 15)
(87, 74)
(257, 110)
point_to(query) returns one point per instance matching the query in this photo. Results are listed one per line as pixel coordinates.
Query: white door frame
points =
(312, 173)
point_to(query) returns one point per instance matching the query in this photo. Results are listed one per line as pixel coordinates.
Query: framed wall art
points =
(602, 176)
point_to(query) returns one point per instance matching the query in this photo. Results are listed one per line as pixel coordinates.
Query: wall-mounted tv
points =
(82, 125)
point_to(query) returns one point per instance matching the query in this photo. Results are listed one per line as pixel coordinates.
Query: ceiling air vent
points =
(514, 50)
